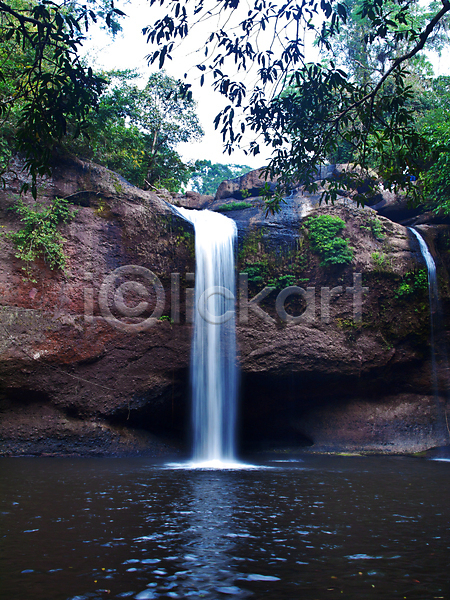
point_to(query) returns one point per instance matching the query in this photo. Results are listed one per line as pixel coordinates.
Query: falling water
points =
(213, 362)
(433, 294)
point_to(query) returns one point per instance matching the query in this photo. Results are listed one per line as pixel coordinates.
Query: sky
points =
(129, 49)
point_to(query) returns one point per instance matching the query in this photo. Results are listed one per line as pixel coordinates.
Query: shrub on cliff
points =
(323, 232)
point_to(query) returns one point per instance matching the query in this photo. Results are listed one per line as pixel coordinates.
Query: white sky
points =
(129, 49)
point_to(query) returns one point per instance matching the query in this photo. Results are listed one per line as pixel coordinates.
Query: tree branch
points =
(422, 37)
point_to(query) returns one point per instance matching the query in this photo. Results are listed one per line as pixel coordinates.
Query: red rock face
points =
(63, 345)
(88, 367)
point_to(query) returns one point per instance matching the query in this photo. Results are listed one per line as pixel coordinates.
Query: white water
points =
(213, 361)
(433, 294)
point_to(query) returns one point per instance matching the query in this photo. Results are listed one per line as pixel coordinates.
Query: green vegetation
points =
(323, 231)
(365, 100)
(166, 318)
(413, 282)
(257, 272)
(46, 91)
(206, 176)
(284, 281)
(376, 228)
(233, 206)
(39, 237)
(135, 131)
(380, 260)
(359, 102)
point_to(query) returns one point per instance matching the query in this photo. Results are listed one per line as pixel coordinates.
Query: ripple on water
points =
(229, 590)
(146, 595)
(363, 557)
(258, 577)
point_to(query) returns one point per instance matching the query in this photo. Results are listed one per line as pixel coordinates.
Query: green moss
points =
(103, 210)
(324, 233)
(251, 245)
(117, 185)
(380, 261)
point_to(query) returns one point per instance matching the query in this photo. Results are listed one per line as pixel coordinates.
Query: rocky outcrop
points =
(76, 363)
(315, 381)
(91, 362)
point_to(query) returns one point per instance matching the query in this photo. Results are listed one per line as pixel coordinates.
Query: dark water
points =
(325, 528)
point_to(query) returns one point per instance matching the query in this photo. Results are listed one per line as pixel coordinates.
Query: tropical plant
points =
(39, 236)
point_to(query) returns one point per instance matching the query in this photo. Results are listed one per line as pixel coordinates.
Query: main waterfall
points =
(213, 361)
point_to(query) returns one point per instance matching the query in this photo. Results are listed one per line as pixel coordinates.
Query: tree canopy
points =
(135, 130)
(206, 176)
(43, 82)
(304, 111)
(307, 112)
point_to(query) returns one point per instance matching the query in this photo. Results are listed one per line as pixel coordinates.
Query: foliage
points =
(413, 282)
(323, 231)
(322, 105)
(434, 123)
(207, 176)
(234, 206)
(284, 281)
(376, 228)
(380, 260)
(166, 318)
(135, 131)
(39, 237)
(257, 272)
(43, 83)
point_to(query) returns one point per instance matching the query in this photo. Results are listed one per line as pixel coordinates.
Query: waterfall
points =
(213, 360)
(433, 294)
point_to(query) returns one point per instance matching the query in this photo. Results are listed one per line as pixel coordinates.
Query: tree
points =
(207, 176)
(44, 84)
(324, 103)
(135, 130)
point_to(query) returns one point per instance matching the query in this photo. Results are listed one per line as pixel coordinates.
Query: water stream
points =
(213, 358)
(435, 316)
(433, 294)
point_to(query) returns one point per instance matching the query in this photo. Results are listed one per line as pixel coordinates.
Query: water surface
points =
(324, 528)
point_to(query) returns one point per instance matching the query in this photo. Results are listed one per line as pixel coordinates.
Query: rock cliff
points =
(84, 371)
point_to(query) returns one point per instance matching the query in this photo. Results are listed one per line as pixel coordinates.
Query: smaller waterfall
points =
(433, 294)
(213, 360)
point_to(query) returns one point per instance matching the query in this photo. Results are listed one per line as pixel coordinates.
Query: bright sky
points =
(129, 49)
